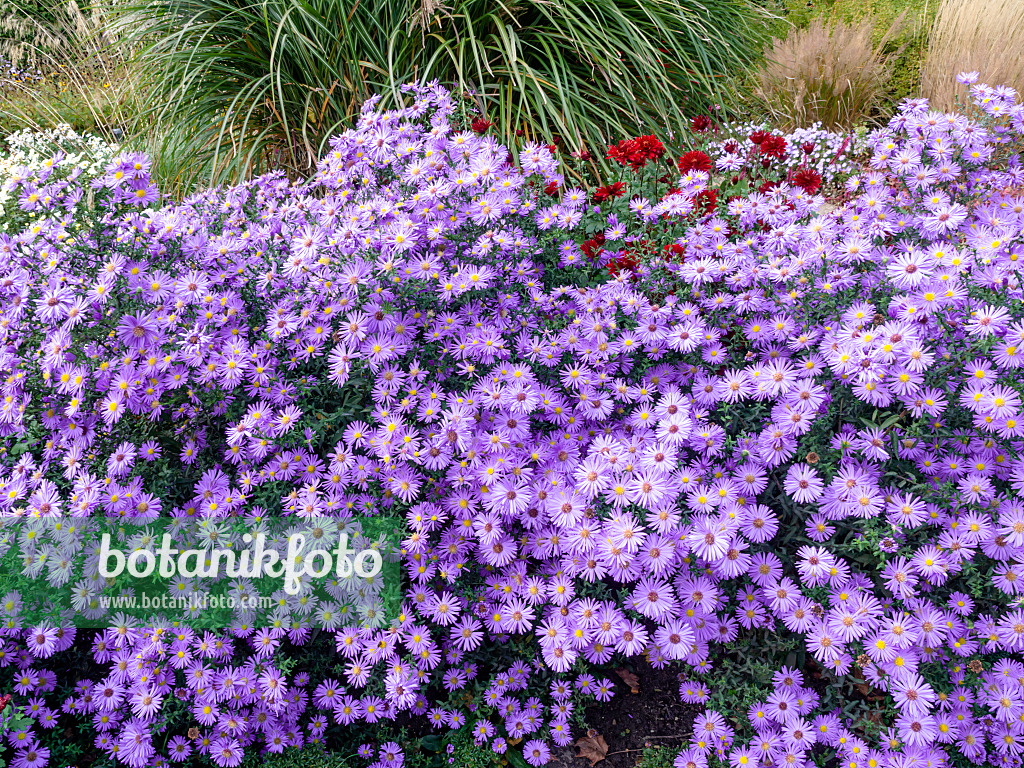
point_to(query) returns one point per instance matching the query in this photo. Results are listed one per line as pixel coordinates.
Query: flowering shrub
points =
(771, 417)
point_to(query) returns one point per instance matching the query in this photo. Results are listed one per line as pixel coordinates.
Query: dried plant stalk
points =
(985, 36)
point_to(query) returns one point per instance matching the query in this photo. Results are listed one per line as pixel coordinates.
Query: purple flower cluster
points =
(593, 469)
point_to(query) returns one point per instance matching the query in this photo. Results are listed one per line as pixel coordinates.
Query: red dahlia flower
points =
(625, 261)
(675, 252)
(694, 161)
(700, 124)
(618, 189)
(808, 179)
(774, 146)
(592, 248)
(706, 201)
(636, 152)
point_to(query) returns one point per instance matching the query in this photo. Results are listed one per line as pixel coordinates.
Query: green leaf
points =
(431, 743)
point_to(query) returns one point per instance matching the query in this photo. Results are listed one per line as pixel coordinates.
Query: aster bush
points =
(682, 415)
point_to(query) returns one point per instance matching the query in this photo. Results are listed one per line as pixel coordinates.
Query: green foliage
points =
(743, 676)
(455, 749)
(12, 721)
(657, 757)
(466, 753)
(244, 86)
(47, 105)
(292, 757)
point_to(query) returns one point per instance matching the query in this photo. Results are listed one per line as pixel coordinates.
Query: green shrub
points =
(657, 757)
(86, 108)
(292, 757)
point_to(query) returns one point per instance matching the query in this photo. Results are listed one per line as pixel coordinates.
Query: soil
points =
(629, 722)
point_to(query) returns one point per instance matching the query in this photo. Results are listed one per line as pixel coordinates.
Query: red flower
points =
(617, 152)
(758, 136)
(479, 125)
(550, 188)
(694, 161)
(636, 153)
(706, 201)
(630, 257)
(592, 248)
(700, 124)
(625, 261)
(807, 147)
(808, 179)
(774, 146)
(675, 252)
(618, 189)
(654, 149)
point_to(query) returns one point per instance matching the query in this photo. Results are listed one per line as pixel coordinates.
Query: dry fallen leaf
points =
(593, 748)
(629, 679)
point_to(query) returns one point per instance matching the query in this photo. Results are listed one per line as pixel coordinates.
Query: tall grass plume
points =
(831, 73)
(984, 36)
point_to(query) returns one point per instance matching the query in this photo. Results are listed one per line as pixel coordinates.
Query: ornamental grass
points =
(984, 36)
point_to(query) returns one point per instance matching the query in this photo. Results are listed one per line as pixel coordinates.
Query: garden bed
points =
(737, 429)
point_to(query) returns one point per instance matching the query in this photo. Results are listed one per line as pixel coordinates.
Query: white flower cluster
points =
(87, 156)
(834, 155)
